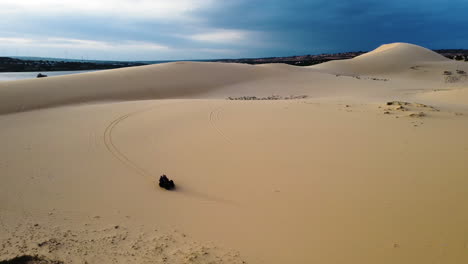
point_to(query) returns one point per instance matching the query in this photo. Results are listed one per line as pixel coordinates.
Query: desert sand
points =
(358, 161)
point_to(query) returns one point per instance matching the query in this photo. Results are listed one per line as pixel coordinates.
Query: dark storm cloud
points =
(327, 26)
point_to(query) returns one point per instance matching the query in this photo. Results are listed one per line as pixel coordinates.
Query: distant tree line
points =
(18, 65)
(454, 54)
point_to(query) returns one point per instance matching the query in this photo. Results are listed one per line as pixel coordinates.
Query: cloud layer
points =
(135, 9)
(198, 29)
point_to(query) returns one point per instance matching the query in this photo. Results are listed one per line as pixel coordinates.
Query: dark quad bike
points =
(165, 183)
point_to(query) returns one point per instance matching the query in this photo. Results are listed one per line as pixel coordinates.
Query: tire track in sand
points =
(214, 116)
(116, 152)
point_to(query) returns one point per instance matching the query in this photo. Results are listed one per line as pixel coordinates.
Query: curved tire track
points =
(115, 151)
(214, 116)
(118, 154)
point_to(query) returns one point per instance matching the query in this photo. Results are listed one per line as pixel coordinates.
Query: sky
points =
(213, 29)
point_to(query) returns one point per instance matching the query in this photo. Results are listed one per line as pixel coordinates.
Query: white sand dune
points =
(395, 60)
(179, 79)
(337, 177)
(219, 80)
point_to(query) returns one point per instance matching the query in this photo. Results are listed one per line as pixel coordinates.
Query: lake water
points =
(11, 76)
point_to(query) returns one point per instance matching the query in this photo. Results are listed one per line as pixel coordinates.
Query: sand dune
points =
(218, 80)
(405, 52)
(170, 80)
(395, 60)
(365, 169)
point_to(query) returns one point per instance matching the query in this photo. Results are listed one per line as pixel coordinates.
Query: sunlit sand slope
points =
(362, 169)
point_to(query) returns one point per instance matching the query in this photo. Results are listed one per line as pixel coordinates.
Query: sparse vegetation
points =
(165, 183)
(452, 79)
(273, 97)
(27, 259)
(379, 79)
(420, 114)
(414, 110)
(364, 78)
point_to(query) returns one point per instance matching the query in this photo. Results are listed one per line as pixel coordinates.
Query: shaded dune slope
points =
(171, 80)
